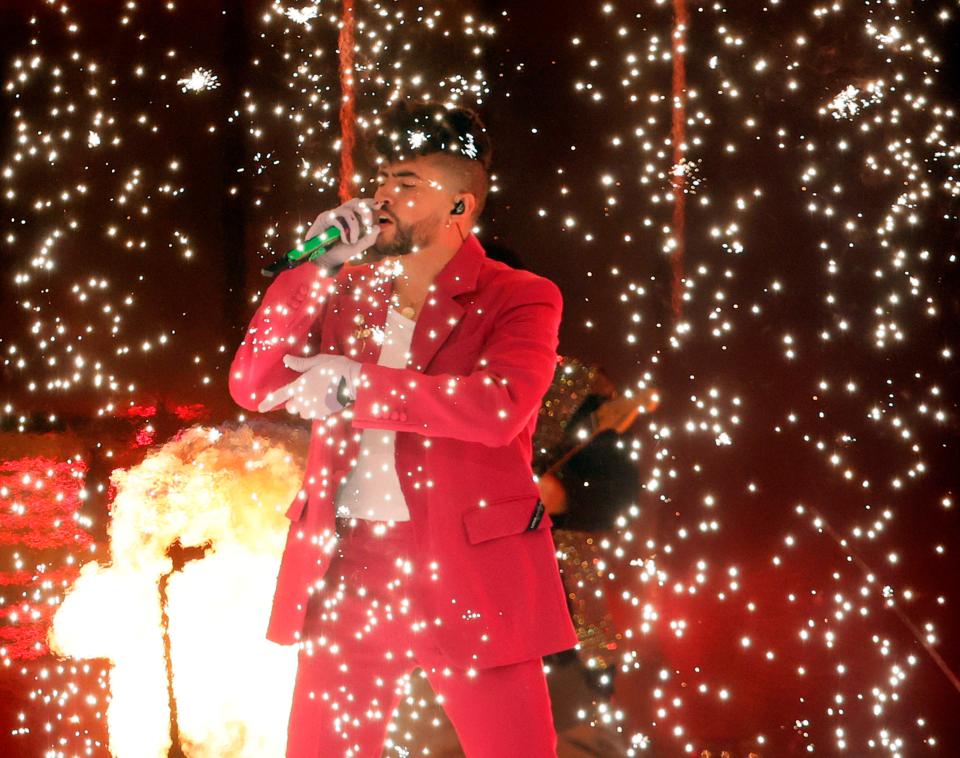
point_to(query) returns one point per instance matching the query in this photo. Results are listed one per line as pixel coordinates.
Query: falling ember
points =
(227, 488)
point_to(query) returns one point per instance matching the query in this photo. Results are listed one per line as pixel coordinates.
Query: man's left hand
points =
(315, 393)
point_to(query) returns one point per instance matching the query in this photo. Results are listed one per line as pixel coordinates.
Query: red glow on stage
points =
(193, 412)
(42, 498)
(141, 411)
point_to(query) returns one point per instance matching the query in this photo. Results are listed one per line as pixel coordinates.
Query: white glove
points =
(358, 230)
(317, 392)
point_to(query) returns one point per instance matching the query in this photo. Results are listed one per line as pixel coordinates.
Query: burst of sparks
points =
(303, 15)
(200, 80)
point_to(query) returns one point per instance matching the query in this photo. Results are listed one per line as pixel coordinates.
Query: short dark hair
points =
(411, 130)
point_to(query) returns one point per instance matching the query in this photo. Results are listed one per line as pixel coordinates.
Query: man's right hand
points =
(358, 230)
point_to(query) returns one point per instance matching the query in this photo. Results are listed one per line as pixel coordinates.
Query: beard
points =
(406, 238)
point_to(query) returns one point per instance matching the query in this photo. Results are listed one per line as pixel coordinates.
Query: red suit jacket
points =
(482, 357)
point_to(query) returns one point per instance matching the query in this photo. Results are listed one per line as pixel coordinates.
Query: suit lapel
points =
(441, 312)
(436, 321)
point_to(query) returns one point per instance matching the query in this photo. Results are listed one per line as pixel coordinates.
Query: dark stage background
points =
(805, 444)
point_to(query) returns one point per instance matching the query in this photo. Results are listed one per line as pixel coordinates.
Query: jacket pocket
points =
(506, 516)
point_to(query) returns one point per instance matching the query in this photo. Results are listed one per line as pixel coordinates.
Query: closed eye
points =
(407, 179)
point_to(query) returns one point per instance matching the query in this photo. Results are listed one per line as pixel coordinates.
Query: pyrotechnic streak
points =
(678, 178)
(872, 576)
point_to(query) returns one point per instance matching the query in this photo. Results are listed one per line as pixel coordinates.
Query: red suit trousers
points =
(364, 635)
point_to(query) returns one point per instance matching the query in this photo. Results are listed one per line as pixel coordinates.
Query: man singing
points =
(417, 538)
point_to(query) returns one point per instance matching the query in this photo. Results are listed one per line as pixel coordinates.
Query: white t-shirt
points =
(372, 490)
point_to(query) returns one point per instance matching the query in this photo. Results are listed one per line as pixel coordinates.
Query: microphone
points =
(307, 250)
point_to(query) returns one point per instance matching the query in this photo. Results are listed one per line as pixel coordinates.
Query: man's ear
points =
(469, 201)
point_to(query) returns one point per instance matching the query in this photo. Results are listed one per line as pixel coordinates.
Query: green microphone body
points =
(307, 250)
